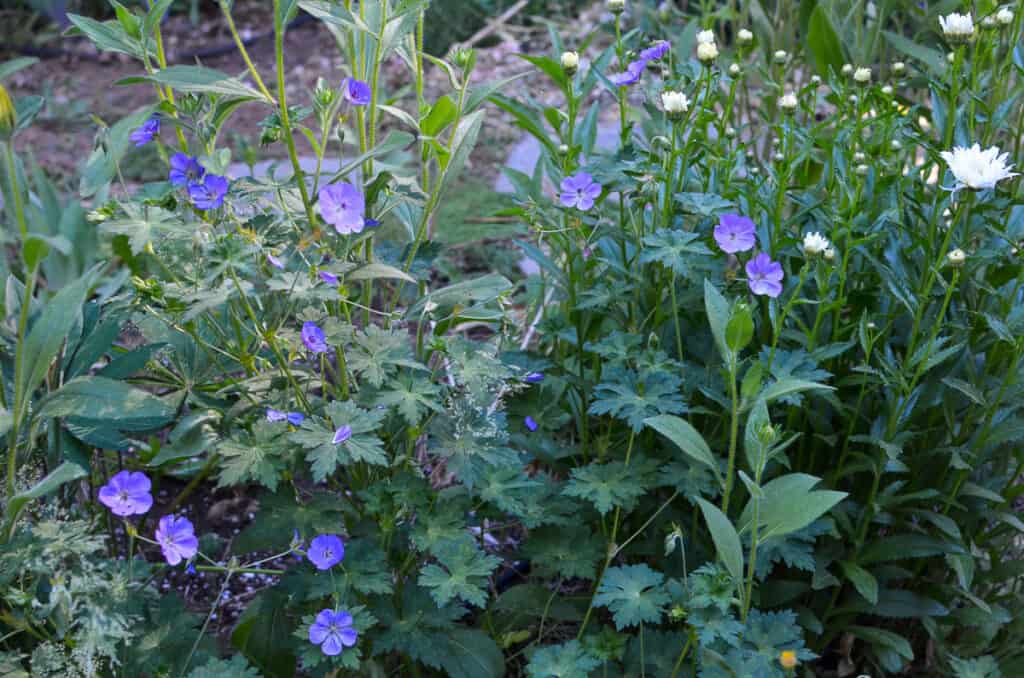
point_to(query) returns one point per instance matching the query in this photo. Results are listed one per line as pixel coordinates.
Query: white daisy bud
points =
(852, 98)
(735, 70)
(781, 56)
(887, 90)
(1004, 16)
(815, 80)
(778, 157)
(951, 57)
(899, 68)
(815, 243)
(730, 132)
(616, 6)
(862, 75)
(957, 27)
(788, 102)
(862, 170)
(988, 21)
(847, 69)
(829, 254)
(895, 145)
(570, 62)
(957, 257)
(706, 37)
(675, 104)
(707, 52)
(745, 37)
(859, 157)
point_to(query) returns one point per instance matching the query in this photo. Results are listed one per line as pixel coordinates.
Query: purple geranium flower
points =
(275, 262)
(313, 337)
(209, 193)
(530, 423)
(343, 206)
(765, 276)
(534, 377)
(356, 92)
(735, 233)
(342, 434)
(146, 132)
(631, 75)
(333, 632)
(177, 539)
(655, 51)
(127, 494)
(296, 418)
(580, 191)
(329, 278)
(185, 170)
(275, 415)
(326, 551)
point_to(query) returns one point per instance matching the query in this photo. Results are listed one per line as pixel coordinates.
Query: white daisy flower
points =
(957, 26)
(675, 104)
(815, 243)
(977, 169)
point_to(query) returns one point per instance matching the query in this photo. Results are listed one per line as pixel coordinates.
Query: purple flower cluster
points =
(146, 132)
(127, 493)
(206, 191)
(293, 418)
(636, 68)
(735, 234)
(580, 191)
(343, 206)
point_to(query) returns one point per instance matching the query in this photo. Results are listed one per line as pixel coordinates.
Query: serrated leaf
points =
(463, 574)
(633, 593)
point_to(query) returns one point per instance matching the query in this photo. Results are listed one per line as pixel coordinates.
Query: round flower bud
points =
(895, 145)
(1004, 16)
(872, 325)
(749, 154)
(989, 21)
(735, 70)
(852, 99)
(780, 56)
(829, 254)
(788, 659)
(675, 104)
(706, 37)
(887, 89)
(707, 52)
(570, 62)
(847, 69)
(951, 57)
(616, 6)
(788, 102)
(745, 37)
(815, 80)
(862, 75)
(730, 132)
(755, 171)
(778, 157)
(563, 149)
(859, 157)
(862, 170)
(956, 258)
(815, 243)
(899, 68)
(957, 27)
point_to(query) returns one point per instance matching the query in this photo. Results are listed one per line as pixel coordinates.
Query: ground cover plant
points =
(756, 412)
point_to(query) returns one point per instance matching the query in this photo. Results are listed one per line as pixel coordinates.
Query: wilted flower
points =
(208, 194)
(570, 62)
(957, 27)
(580, 191)
(744, 36)
(977, 169)
(956, 258)
(127, 493)
(275, 262)
(706, 38)
(343, 433)
(788, 659)
(530, 423)
(735, 233)
(333, 632)
(177, 539)
(146, 132)
(325, 551)
(343, 206)
(629, 76)
(185, 170)
(862, 75)
(313, 337)
(815, 243)
(356, 92)
(1004, 16)
(788, 102)
(764, 276)
(675, 104)
(707, 52)
(655, 51)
